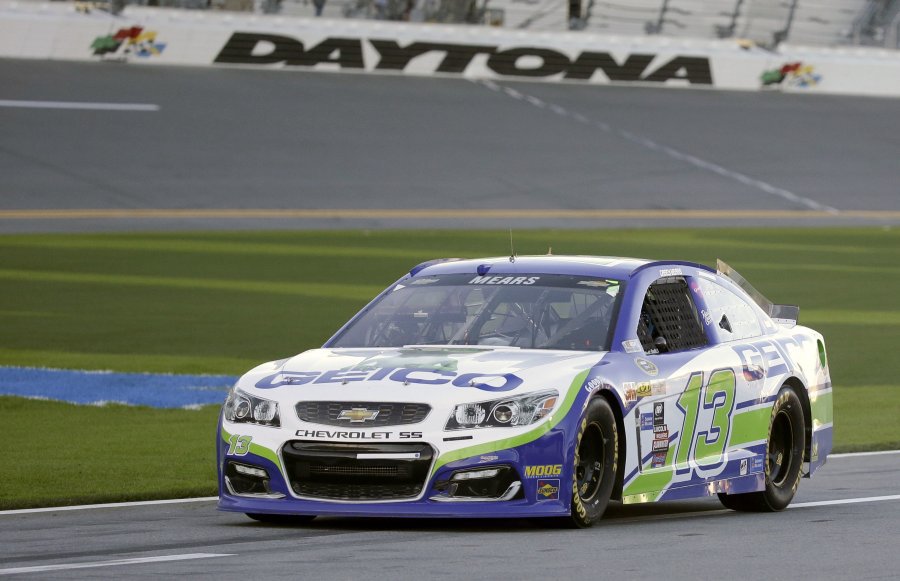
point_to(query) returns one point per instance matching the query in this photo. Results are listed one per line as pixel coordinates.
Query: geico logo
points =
(349, 53)
(545, 470)
(482, 381)
(769, 358)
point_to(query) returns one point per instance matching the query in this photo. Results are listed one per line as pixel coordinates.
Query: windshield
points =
(527, 311)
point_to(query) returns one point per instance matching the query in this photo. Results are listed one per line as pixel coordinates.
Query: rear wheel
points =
(784, 458)
(594, 464)
(281, 519)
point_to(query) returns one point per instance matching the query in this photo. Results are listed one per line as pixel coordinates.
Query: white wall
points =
(201, 38)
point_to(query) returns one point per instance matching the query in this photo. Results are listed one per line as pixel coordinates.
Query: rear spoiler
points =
(786, 315)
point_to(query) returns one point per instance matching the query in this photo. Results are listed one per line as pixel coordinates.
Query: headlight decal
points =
(516, 411)
(530, 436)
(243, 407)
(256, 450)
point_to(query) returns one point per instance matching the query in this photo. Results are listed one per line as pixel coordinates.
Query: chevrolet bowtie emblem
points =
(358, 415)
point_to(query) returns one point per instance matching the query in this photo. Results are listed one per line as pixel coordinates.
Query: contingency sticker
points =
(646, 366)
(547, 489)
(632, 346)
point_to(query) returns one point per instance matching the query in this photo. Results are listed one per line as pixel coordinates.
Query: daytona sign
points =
(252, 48)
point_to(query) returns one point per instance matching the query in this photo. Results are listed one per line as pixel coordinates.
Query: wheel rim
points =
(589, 470)
(781, 445)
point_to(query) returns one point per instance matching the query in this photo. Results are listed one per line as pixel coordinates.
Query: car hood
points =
(417, 373)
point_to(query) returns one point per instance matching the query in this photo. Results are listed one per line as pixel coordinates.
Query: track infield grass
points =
(223, 302)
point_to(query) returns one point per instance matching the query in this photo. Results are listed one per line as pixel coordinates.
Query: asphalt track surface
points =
(238, 149)
(678, 540)
(108, 146)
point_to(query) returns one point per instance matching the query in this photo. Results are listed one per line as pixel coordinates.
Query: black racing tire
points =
(739, 502)
(594, 464)
(784, 458)
(281, 519)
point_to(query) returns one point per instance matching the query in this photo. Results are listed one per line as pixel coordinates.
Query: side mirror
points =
(725, 324)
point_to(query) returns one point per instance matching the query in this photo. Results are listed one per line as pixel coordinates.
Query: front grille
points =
(361, 493)
(333, 471)
(355, 470)
(389, 413)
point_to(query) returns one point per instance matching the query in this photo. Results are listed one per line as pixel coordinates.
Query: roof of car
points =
(601, 266)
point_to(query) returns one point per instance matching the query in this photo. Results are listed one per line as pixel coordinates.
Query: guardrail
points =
(146, 36)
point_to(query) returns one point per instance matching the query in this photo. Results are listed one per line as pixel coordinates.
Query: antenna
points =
(512, 249)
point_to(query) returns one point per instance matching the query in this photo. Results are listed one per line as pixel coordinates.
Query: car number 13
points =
(705, 447)
(240, 445)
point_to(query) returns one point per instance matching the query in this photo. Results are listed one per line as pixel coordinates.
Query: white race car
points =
(535, 387)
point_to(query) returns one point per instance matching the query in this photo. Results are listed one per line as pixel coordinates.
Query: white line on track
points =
(671, 152)
(108, 505)
(707, 513)
(92, 564)
(213, 498)
(79, 105)
(845, 501)
(860, 454)
(558, 110)
(512, 93)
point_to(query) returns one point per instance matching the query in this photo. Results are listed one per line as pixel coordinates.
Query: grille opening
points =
(245, 483)
(480, 488)
(388, 471)
(333, 470)
(389, 413)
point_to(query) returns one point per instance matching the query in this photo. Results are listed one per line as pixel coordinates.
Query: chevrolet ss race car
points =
(540, 386)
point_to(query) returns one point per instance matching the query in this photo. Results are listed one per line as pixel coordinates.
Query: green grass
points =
(222, 302)
(865, 418)
(66, 454)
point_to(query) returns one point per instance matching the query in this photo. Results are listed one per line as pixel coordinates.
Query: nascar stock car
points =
(540, 386)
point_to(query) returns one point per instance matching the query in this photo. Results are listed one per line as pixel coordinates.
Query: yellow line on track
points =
(418, 214)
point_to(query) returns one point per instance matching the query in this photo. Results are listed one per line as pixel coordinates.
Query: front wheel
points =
(784, 458)
(594, 463)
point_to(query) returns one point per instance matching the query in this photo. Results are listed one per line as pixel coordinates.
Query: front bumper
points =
(533, 482)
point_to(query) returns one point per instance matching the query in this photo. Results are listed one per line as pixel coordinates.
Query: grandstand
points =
(766, 23)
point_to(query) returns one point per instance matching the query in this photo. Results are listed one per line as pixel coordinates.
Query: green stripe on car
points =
(258, 450)
(525, 438)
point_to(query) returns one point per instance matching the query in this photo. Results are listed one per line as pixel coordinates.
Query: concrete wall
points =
(153, 36)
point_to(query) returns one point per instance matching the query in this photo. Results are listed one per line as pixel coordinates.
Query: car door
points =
(694, 331)
(673, 336)
(743, 360)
